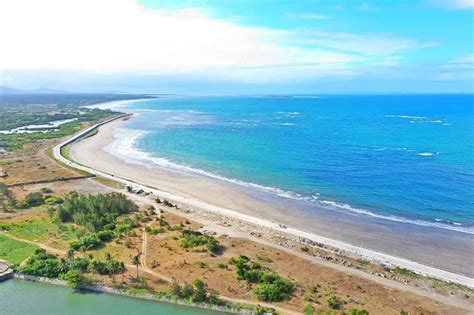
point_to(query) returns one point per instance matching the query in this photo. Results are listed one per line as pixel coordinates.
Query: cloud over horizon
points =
(116, 38)
(122, 36)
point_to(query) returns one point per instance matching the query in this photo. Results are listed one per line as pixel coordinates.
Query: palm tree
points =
(136, 261)
(63, 265)
(70, 254)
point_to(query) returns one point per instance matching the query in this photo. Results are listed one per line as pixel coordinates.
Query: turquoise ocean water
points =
(406, 158)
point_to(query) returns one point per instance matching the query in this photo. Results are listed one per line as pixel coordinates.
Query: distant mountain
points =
(42, 90)
(7, 90)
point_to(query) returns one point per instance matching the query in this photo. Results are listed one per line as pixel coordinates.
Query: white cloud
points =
(111, 36)
(455, 4)
(371, 45)
(121, 36)
(464, 59)
(459, 68)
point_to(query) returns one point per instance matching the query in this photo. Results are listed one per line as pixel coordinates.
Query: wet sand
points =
(440, 248)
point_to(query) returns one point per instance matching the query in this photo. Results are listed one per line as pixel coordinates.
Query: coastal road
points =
(347, 248)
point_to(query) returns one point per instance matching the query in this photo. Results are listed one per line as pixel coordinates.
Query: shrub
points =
(261, 310)
(271, 287)
(263, 258)
(46, 190)
(109, 266)
(334, 303)
(195, 292)
(200, 291)
(42, 264)
(123, 228)
(221, 266)
(202, 264)
(75, 279)
(309, 309)
(86, 243)
(34, 199)
(190, 239)
(105, 236)
(4, 226)
(357, 311)
(79, 264)
(53, 200)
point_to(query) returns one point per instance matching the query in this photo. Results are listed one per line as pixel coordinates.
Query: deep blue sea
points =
(400, 157)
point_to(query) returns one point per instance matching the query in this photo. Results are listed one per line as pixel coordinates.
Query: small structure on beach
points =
(5, 271)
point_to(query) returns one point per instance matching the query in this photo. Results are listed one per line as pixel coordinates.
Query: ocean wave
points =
(419, 119)
(289, 113)
(116, 104)
(286, 124)
(125, 147)
(443, 224)
(427, 154)
(406, 116)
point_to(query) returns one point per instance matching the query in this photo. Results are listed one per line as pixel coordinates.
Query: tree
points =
(136, 261)
(200, 291)
(70, 254)
(63, 265)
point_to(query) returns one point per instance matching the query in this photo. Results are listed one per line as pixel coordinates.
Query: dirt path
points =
(211, 225)
(41, 245)
(145, 269)
(223, 297)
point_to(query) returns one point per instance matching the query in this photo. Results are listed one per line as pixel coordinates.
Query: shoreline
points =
(185, 190)
(123, 148)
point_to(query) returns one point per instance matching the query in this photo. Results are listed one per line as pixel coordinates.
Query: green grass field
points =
(42, 231)
(15, 251)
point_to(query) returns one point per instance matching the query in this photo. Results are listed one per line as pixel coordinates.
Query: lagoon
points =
(25, 297)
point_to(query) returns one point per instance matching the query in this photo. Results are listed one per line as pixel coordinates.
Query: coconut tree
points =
(136, 261)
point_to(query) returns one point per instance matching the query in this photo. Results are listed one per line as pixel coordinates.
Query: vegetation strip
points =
(63, 179)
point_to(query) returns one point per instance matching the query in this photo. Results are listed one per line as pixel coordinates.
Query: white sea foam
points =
(125, 147)
(286, 124)
(117, 104)
(419, 119)
(443, 224)
(406, 116)
(426, 154)
(289, 113)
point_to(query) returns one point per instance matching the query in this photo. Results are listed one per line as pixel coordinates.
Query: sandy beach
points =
(439, 248)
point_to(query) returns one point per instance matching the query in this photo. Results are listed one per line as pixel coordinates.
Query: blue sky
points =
(239, 47)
